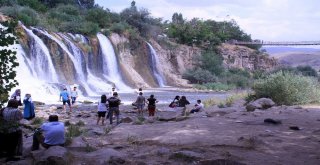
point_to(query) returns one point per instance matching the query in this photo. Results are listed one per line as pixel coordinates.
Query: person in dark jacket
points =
(183, 102)
(114, 103)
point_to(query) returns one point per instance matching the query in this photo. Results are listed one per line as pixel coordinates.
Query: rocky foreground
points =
(218, 136)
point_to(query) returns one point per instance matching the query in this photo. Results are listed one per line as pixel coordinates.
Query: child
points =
(102, 109)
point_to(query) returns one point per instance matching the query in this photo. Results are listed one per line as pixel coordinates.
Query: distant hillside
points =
(272, 50)
(299, 58)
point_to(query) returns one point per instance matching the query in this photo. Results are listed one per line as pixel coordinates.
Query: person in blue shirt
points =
(50, 134)
(65, 98)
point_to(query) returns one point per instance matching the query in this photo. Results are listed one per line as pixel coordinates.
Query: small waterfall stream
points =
(154, 66)
(110, 67)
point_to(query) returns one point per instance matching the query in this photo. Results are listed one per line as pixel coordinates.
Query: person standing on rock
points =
(152, 105)
(183, 102)
(102, 109)
(114, 103)
(65, 98)
(74, 95)
(28, 110)
(50, 134)
(140, 102)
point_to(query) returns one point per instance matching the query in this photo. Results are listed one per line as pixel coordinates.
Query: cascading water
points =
(110, 63)
(40, 56)
(94, 83)
(154, 66)
(81, 76)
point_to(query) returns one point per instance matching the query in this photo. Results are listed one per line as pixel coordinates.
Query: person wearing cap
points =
(65, 98)
(114, 103)
(74, 95)
(51, 133)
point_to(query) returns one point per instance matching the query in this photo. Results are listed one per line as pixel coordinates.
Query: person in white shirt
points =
(102, 109)
(74, 95)
(197, 107)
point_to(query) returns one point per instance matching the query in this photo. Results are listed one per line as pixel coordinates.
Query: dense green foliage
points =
(305, 70)
(206, 33)
(7, 62)
(218, 86)
(84, 16)
(209, 73)
(288, 88)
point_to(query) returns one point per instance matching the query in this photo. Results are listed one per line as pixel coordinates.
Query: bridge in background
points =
(271, 43)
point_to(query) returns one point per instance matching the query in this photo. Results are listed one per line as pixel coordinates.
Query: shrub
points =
(37, 121)
(216, 86)
(229, 101)
(212, 62)
(198, 76)
(307, 71)
(73, 131)
(119, 28)
(99, 15)
(288, 88)
(89, 28)
(25, 14)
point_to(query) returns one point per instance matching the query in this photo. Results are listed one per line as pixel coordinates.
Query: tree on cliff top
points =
(7, 62)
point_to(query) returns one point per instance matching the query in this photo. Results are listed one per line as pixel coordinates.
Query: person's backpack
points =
(113, 102)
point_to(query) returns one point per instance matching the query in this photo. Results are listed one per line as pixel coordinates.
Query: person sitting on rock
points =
(197, 107)
(175, 102)
(50, 134)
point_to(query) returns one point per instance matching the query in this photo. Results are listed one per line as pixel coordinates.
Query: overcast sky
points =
(269, 20)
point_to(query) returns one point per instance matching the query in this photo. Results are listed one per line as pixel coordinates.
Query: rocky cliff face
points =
(245, 58)
(134, 56)
(135, 62)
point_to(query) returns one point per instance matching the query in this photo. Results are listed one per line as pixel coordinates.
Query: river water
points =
(166, 95)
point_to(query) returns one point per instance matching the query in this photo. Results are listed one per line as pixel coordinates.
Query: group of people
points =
(183, 102)
(110, 106)
(28, 110)
(52, 132)
(68, 98)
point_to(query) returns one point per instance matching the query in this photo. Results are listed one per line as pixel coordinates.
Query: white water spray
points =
(110, 63)
(155, 65)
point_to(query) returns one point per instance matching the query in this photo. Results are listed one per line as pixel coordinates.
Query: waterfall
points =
(40, 56)
(77, 62)
(39, 88)
(110, 63)
(94, 83)
(155, 65)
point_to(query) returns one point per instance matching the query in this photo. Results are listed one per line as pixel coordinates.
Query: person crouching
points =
(50, 134)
